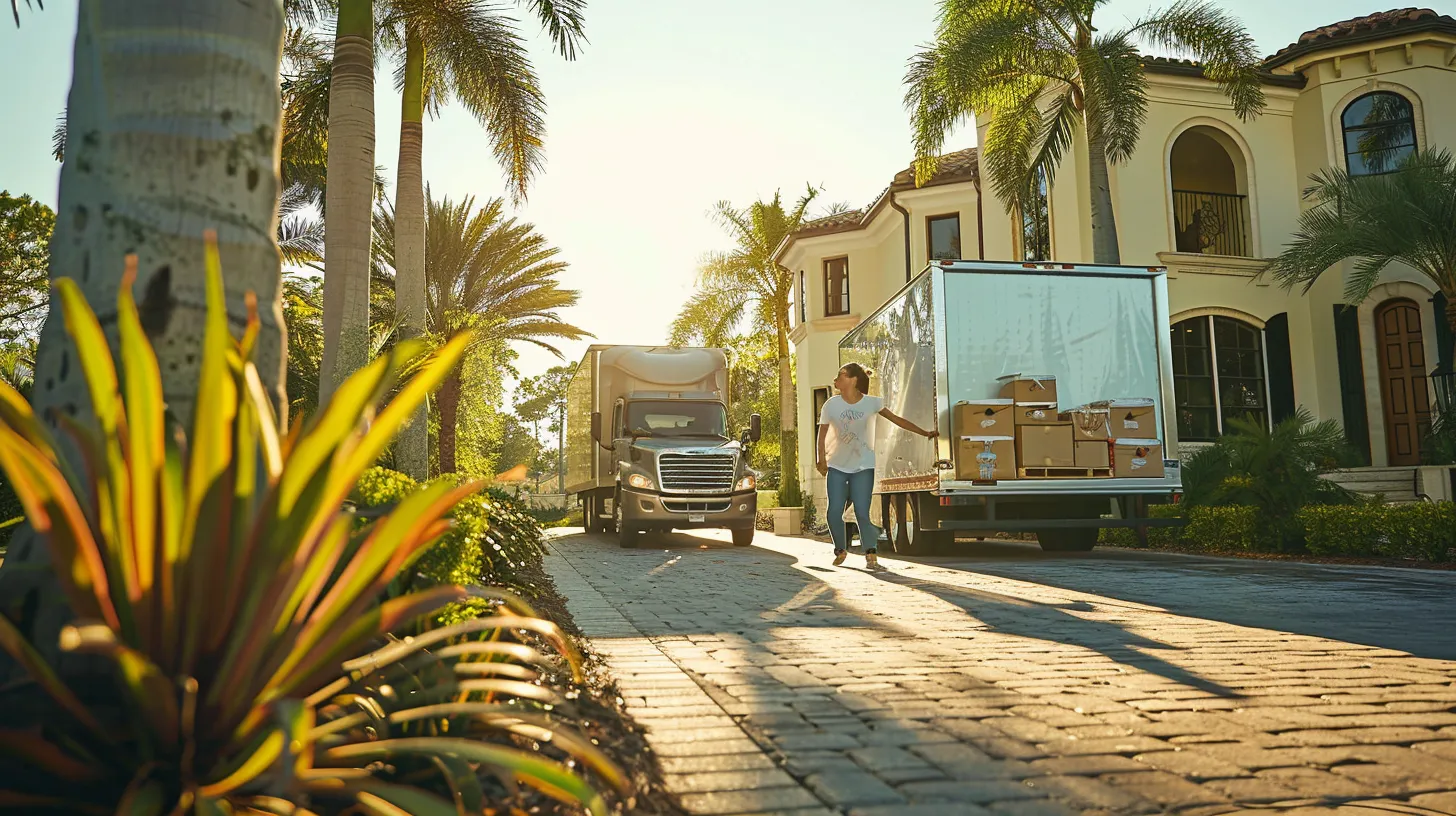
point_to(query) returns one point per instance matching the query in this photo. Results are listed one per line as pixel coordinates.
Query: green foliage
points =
(1438, 447)
(1231, 528)
(1040, 73)
(240, 608)
(1277, 471)
(25, 235)
(1423, 531)
(1407, 216)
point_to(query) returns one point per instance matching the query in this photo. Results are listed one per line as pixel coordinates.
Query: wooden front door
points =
(1403, 389)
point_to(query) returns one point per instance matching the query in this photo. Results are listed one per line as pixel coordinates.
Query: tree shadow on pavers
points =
(1055, 623)
(1401, 609)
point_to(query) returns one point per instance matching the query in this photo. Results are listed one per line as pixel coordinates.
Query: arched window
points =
(1218, 375)
(1380, 131)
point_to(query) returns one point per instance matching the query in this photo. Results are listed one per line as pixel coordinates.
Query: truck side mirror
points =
(755, 427)
(596, 426)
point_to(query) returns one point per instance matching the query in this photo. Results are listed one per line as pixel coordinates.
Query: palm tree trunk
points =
(349, 197)
(412, 447)
(1104, 221)
(173, 134)
(788, 439)
(449, 400)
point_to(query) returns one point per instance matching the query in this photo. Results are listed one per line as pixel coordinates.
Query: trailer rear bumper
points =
(657, 511)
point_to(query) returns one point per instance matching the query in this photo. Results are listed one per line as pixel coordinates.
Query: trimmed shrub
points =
(1158, 537)
(1232, 528)
(1422, 531)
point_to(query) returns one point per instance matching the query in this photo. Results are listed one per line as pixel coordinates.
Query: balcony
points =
(1211, 223)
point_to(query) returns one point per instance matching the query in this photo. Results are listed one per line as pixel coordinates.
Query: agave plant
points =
(241, 614)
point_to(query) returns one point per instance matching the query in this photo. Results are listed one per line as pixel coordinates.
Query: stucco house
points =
(1207, 196)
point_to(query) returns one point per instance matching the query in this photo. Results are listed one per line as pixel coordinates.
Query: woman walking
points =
(846, 453)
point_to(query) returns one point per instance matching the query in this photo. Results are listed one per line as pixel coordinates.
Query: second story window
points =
(836, 287)
(803, 299)
(1380, 131)
(1036, 223)
(943, 233)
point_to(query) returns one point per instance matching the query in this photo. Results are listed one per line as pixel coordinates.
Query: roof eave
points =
(1266, 77)
(1295, 52)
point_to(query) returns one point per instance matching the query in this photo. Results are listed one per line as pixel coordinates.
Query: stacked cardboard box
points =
(1023, 429)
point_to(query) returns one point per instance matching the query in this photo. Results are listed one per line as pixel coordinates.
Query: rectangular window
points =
(1036, 223)
(821, 396)
(943, 237)
(836, 287)
(803, 299)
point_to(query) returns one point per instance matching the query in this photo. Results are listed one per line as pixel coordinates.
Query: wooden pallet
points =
(1064, 473)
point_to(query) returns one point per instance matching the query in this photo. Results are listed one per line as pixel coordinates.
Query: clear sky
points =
(674, 105)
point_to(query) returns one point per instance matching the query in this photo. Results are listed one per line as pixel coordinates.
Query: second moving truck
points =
(648, 446)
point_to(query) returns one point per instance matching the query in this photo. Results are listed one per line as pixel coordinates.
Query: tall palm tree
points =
(1407, 216)
(489, 273)
(746, 281)
(469, 50)
(349, 195)
(231, 185)
(1042, 73)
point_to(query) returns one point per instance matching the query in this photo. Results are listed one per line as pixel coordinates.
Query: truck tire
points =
(918, 540)
(590, 514)
(1067, 539)
(627, 536)
(743, 536)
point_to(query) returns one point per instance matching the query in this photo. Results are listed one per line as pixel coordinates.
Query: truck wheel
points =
(626, 536)
(919, 541)
(1067, 539)
(589, 515)
(743, 536)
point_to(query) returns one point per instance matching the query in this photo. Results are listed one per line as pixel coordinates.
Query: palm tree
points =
(748, 281)
(1407, 216)
(1040, 71)
(471, 51)
(231, 185)
(489, 273)
(349, 195)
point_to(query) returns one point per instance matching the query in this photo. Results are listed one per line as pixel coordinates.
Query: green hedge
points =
(1417, 531)
(1423, 531)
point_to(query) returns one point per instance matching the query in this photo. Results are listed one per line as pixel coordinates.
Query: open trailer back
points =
(1051, 386)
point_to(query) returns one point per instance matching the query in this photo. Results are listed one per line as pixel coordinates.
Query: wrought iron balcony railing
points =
(1211, 223)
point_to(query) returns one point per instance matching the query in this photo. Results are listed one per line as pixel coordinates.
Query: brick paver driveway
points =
(1007, 681)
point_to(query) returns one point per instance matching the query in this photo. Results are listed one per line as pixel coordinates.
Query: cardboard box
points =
(976, 456)
(1036, 413)
(1089, 422)
(1133, 419)
(1090, 453)
(1045, 446)
(983, 417)
(1137, 459)
(1029, 387)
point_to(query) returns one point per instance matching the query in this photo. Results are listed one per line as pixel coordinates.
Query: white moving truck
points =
(1051, 386)
(648, 447)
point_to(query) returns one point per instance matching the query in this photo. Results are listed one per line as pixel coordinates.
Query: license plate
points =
(697, 518)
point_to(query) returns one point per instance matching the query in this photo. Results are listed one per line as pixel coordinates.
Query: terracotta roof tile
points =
(960, 165)
(1357, 29)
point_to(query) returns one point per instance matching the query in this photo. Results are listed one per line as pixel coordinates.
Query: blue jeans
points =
(857, 488)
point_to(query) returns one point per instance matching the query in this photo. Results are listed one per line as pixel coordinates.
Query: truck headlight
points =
(641, 482)
(748, 482)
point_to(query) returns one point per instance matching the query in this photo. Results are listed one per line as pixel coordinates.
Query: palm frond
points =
(565, 21)
(58, 138)
(1209, 34)
(1405, 216)
(1010, 140)
(15, 8)
(1116, 94)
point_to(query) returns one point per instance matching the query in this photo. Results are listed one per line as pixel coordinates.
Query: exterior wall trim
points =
(1219, 311)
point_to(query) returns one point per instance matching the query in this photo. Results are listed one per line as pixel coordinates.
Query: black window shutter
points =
(1352, 379)
(1445, 342)
(1281, 368)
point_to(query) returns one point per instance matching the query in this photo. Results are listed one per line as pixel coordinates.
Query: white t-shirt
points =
(850, 444)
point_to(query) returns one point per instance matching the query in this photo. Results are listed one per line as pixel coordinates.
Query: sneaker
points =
(839, 557)
(872, 562)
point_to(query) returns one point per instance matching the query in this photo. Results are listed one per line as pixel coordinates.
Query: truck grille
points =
(696, 506)
(682, 473)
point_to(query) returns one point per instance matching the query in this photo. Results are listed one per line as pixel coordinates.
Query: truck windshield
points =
(676, 418)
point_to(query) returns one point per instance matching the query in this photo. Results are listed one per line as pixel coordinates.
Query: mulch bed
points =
(596, 709)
